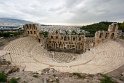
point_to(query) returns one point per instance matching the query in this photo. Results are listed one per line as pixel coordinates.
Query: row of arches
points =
(105, 35)
(66, 45)
(31, 32)
(30, 26)
(66, 38)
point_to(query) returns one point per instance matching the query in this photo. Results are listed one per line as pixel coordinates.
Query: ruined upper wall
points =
(63, 40)
(31, 30)
(113, 27)
(112, 33)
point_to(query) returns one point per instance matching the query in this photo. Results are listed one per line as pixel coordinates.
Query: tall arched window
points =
(34, 32)
(112, 35)
(73, 38)
(31, 32)
(100, 35)
(28, 32)
(65, 38)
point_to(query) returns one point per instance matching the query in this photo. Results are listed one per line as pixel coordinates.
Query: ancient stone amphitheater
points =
(27, 53)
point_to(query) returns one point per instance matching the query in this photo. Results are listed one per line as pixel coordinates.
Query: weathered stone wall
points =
(62, 42)
(57, 41)
(112, 33)
(31, 30)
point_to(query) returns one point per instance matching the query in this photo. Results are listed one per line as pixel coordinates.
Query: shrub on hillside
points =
(78, 75)
(3, 77)
(13, 80)
(106, 79)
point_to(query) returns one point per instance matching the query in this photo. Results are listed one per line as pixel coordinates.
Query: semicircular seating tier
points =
(28, 53)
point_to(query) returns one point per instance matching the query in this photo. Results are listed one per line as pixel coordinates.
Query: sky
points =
(65, 12)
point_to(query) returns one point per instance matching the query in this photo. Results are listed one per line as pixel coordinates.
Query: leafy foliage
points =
(13, 80)
(73, 32)
(8, 34)
(3, 77)
(99, 26)
(96, 27)
(45, 33)
(106, 79)
(78, 75)
(121, 26)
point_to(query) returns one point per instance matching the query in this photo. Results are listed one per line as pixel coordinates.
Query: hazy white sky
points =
(74, 12)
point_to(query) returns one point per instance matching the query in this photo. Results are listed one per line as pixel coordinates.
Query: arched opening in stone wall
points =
(28, 32)
(31, 32)
(39, 40)
(100, 35)
(112, 36)
(56, 32)
(51, 37)
(56, 37)
(79, 38)
(73, 38)
(114, 28)
(34, 32)
(106, 35)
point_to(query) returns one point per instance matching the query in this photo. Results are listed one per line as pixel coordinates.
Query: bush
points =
(35, 75)
(106, 79)
(78, 75)
(122, 37)
(13, 80)
(3, 77)
(45, 34)
(9, 34)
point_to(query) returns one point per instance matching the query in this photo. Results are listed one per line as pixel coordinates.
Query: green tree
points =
(66, 32)
(73, 32)
(121, 27)
(96, 27)
(45, 33)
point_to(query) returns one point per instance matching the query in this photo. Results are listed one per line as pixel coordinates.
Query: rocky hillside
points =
(13, 74)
